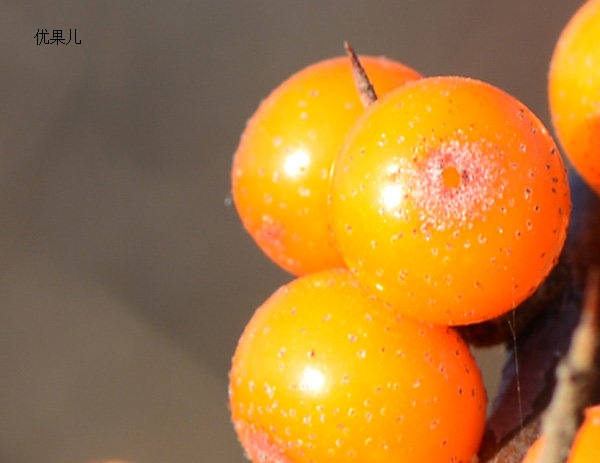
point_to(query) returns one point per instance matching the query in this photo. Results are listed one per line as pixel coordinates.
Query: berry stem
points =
(366, 91)
(576, 375)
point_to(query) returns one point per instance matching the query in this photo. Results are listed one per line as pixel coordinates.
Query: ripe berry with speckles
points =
(281, 169)
(324, 372)
(574, 91)
(450, 200)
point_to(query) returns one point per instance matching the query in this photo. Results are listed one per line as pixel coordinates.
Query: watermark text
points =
(56, 37)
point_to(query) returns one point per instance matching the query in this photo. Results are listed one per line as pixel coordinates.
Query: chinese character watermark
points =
(42, 36)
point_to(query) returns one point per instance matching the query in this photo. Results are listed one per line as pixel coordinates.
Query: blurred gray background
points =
(126, 277)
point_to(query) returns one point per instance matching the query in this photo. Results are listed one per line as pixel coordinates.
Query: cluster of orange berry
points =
(405, 207)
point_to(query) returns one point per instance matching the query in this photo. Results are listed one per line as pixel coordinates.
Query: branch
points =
(576, 376)
(366, 91)
(540, 335)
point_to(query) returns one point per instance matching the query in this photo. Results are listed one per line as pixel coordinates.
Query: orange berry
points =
(325, 373)
(450, 200)
(281, 168)
(574, 91)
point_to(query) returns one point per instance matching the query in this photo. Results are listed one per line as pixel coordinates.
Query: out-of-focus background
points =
(125, 275)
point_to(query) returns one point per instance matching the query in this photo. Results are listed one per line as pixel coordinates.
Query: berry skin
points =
(325, 373)
(574, 91)
(450, 200)
(281, 168)
(585, 446)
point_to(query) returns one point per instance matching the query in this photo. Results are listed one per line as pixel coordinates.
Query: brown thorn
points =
(575, 376)
(366, 92)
